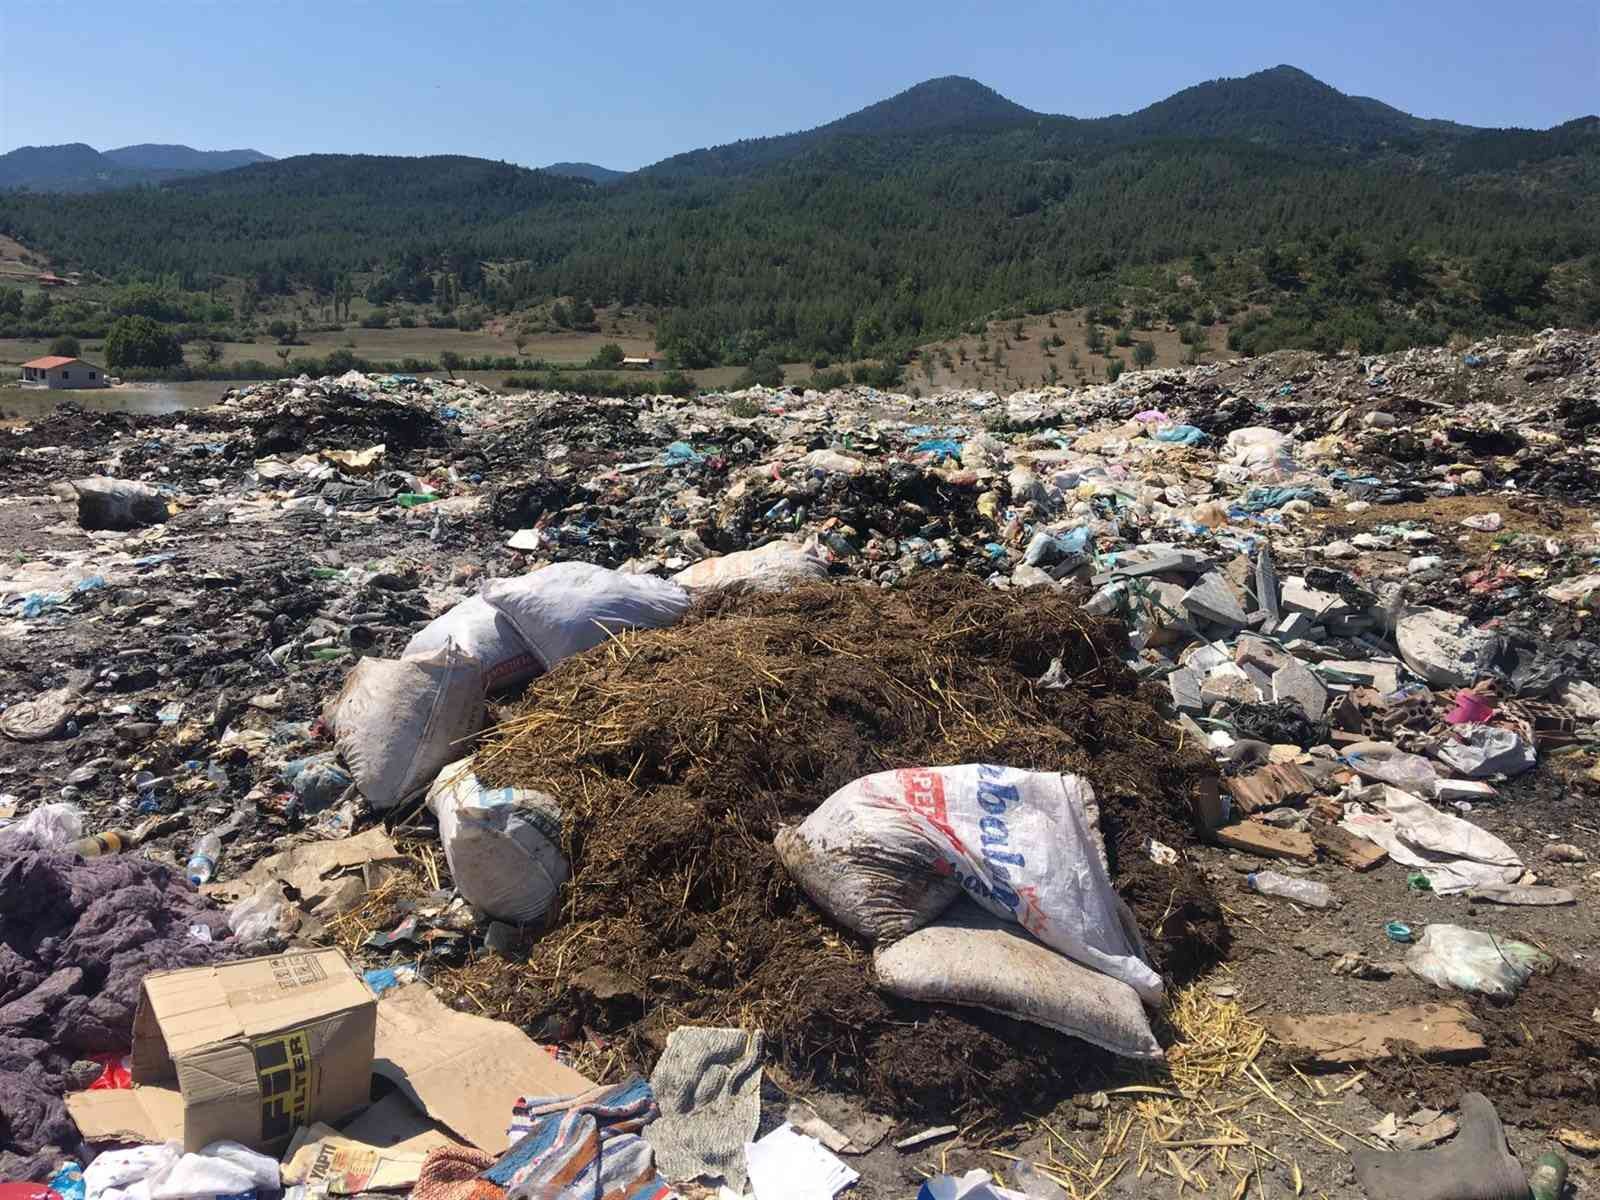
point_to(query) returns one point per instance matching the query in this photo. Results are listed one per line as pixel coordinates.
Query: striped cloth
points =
(455, 1173)
(583, 1147)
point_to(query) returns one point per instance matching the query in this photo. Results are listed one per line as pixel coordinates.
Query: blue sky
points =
(624, 84)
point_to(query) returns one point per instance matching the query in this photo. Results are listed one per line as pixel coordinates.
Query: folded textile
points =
(582, 1147)
(454, 1173)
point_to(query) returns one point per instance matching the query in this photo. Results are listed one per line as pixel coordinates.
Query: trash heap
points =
(679, 755)
(904, 748)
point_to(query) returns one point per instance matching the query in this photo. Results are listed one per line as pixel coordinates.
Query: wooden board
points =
(1439, 1031)
(1345, 847)
(1269, 842)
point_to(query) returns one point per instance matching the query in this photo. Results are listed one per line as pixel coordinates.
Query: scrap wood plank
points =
(1269, 842)
(1345, 847)
(1439, 1031)
(1270, 787)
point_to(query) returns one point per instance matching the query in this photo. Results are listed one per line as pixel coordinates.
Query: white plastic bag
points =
(119, 1168)
(220, 1169)
(476, 627)
(887, 853)
(503, 844)
(258, 917)
(1453, 957)
(775, 567)
(566, 608)
(50, 826)
(970, 957)
(1267, 454)
(398, 721)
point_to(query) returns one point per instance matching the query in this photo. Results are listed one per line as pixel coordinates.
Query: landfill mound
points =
(677, 754)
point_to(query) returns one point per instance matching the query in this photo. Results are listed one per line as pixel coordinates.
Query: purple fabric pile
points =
(76, 938)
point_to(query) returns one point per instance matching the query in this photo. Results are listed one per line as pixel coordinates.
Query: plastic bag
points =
(119, 1168)
(1384, 762)
(1480, 750)
(503, 844)
(398, 722)
(50, 826)
(220, 1169)
(1473, 961)
(38, 719)
(887, 853)
(258, 917)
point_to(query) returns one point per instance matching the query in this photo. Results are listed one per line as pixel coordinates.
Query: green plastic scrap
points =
(413, 499)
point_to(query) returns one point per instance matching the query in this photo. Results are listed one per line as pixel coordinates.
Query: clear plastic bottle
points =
(1301, 891)
(203, 861)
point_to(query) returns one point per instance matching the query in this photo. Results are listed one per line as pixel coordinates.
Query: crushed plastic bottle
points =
(202, 863)
(1301, 891)
(112, 841)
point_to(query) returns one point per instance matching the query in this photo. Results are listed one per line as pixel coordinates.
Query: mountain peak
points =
(947, 102)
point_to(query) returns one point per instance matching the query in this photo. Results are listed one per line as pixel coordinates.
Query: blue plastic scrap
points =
(679, 454)
(1259, 499)
(940, 448)
(1181, 435)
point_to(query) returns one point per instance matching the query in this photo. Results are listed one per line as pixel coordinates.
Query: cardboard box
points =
(246, 1050)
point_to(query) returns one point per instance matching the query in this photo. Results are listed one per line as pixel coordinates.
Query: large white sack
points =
(566, 608)
(1266, 454)
(971, 957)
(503, 844)
(887, 853)
(505, 660)
(397, 721)
(775, 567)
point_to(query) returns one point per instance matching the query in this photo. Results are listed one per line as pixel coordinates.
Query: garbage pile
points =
(907, 749)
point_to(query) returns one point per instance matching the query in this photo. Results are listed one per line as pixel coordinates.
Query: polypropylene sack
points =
(566, 608)
(397, 722)
(505, 660)
(1473, 961)
(887, 853)
(503, 844)
(775, 567)
(970, 957)
(1266, 454)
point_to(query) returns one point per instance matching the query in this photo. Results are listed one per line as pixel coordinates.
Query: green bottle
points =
(1549, 1176)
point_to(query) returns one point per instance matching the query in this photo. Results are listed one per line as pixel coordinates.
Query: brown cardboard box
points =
(245, 1050)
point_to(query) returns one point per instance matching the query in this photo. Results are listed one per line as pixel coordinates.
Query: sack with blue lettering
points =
(503, 845)
(888, 853)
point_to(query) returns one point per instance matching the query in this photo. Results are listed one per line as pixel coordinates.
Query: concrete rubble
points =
(1364, 586)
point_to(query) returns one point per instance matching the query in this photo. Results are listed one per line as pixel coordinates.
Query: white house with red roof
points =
(56, 371)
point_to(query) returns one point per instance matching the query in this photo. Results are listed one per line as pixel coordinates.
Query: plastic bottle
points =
(1301, 891)
(203, 861)
(1549, 1176)
(112, 841)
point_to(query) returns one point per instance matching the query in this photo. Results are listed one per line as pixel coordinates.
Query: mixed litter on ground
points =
(1179, 786)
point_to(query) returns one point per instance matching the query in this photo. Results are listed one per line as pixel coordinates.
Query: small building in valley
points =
(56, 371)
(639, 364)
